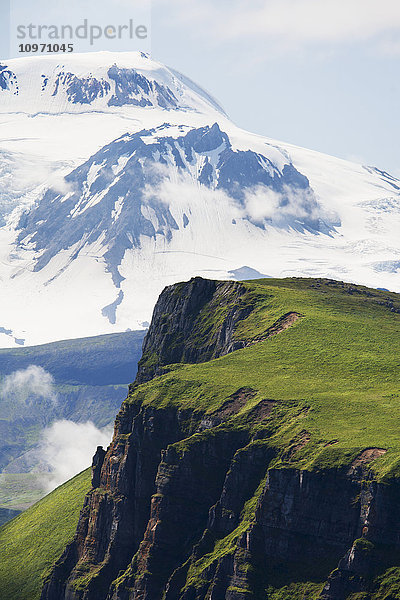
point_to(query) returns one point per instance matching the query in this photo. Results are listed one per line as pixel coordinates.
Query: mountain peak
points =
(121, 175)
(96, 81)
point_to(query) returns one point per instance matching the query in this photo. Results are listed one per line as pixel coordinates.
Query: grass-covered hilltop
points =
(257, 456)
(336, 357)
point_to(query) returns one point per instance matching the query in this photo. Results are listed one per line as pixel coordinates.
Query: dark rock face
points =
(79, 90)
(152, 505)
(98, 460)
(191, 506)
(125, 87)
(115, 514)
(177, 332)
(377, 546)
(179, 510)
(301, 518)
(133, 88)
(8, 79)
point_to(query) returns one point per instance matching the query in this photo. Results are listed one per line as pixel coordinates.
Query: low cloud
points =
(260, 204)
(28, 385)
(67, 448)
(58, 183)
(263, 206)
(29, 172)
(159, 175)
(174, 189)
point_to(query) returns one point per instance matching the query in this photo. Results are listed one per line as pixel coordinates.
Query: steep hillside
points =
(30, 543)
(263, 463)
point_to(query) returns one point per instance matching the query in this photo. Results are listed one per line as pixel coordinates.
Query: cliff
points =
(256, 456)
(193, 322)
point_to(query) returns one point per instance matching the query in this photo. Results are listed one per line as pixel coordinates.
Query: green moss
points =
(296, 591)
(363, 545)
(184, 446)
(152, 360)
(85, 573)
(387, 585)
(227, 546)
(240, 590)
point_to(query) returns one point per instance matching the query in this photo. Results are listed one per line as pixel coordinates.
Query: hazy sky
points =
(320, 74)
(324, 74)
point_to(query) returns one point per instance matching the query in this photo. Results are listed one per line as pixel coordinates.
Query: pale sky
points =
(319, 74)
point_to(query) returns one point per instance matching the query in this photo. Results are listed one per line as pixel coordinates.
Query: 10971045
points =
(48, 48)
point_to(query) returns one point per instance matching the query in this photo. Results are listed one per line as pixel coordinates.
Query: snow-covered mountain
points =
(119, 176)
(96, 82)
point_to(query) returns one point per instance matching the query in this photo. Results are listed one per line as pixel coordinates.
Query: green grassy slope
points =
(31, 542)
(340, 361)
(18, 491)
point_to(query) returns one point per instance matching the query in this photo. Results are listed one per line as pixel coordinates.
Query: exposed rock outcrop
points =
(193, 322)
(377, 545)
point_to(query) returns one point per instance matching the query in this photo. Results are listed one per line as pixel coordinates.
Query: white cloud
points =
(179, 189)
(291, 23)
(28, 384)
(316, 21)
(67, 448)
(20, 174)
(261, 204)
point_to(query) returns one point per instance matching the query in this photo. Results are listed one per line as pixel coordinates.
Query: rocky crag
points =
(229, 497)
